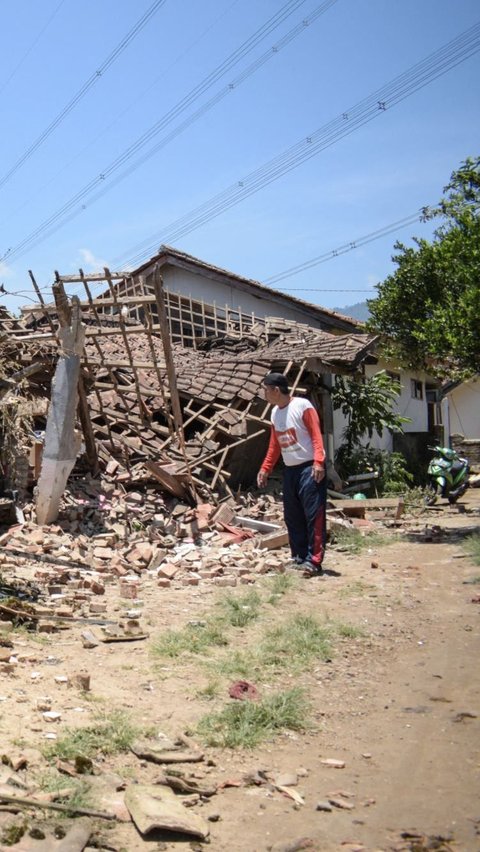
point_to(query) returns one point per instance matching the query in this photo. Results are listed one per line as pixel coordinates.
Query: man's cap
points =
(277, 380)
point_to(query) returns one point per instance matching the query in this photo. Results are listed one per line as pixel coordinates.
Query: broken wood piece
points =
(370, 503)
(168, 478)
(274, 540)
(123, 637)
(153, 807)
(182, 784)
(70, 809)
(292, 794)
(62, 441)
(167, 751)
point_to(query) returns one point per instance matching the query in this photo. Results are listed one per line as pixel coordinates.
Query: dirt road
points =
(398, 704)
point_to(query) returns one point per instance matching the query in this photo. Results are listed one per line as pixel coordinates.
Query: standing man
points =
(296, 435)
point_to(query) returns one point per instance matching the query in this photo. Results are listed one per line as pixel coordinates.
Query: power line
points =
(94, 78)
(123, 112)
(232, 60)
(421, 74)
(351, 245)
(32, 46)
(435, 65)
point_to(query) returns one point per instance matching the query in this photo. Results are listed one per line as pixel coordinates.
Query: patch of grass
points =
(12, 834)
(279, 586)
(347, 631)
(114, 733)
(23, 632)
(296, 642)
(238, 664)
(473, 581)
(472, 546)
(210, 691)
(192, 639)
(240, 610)
(245, 724)
(355, 590)
(290, 645)
(353, 540)
(80, 794)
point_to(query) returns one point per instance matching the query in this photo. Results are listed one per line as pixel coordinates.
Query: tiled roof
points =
(223, 375)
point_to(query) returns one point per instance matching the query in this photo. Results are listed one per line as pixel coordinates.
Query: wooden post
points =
(167, 350)
(171, 374)
(65, 317)
(61, 439)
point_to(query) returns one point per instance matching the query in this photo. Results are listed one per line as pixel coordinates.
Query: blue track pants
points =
(304, 503)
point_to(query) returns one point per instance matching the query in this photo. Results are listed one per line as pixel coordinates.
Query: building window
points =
(394, 376)
(417, 389)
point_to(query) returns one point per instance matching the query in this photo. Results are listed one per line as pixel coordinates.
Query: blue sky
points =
(381, 172)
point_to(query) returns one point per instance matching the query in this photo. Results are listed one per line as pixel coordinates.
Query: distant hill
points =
(358, 311)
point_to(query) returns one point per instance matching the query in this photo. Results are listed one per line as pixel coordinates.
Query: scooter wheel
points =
(431, 494)
(452, 498)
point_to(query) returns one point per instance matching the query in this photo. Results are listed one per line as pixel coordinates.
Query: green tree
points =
(429, 308)
(367, 407)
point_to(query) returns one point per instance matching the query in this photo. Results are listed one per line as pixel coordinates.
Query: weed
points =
(355, 590)
(238, 664)
(239, 610)
(294, 643)
(353, 540)
(12, 834)
(279, 586)
(210, 691)
(79, 792)
(192, 639)
(347, 631)
(472, 546)
(113, 733)
(291, 645)
(23, 632)
(473, 581)
(414, 499)
(245, 724)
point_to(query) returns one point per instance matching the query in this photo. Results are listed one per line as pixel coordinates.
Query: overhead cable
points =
(32, 46)
(64, 213)
(340, 250)
(94, 78)
(93, 141)
(417, 77)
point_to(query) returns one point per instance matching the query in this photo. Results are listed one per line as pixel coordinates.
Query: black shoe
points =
(311, 570)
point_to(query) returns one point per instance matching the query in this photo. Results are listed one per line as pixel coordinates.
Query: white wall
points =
(186, 283)
(464, 409)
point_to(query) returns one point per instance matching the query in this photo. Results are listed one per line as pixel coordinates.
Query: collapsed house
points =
(168, 387)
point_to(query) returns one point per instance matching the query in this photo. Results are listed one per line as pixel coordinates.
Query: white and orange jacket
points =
(295, 435)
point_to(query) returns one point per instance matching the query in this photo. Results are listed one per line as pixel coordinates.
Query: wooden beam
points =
(65, 317)
(167, 350)
(96, 276)
(172, 482)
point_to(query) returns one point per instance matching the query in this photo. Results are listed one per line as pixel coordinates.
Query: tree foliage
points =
(429, 308)
(367, 407)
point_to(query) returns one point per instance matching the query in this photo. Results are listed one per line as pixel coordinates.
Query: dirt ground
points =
(399, 704)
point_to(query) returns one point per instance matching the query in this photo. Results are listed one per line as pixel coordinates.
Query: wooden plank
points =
(370, 503)
(274, 540)
(65, 317)
(95, 276)
(167, 350)
(106, 362)
(172, 482)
